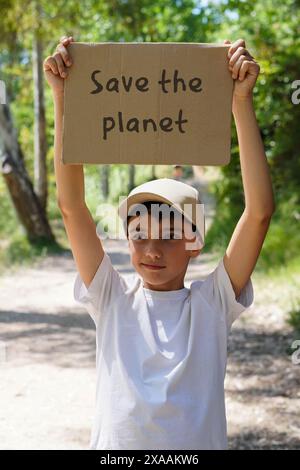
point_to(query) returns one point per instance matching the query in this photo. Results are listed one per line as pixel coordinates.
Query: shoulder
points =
(217, 291)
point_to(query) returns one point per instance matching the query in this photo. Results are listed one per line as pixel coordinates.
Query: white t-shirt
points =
(160, 359)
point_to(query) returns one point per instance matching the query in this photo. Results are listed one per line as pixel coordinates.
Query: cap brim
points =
(143, 197)
(139, 199)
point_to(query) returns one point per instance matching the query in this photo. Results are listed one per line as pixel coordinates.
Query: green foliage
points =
(8, 218)
(283, 242)
(19, 251)
(271, 29)
(294, 315)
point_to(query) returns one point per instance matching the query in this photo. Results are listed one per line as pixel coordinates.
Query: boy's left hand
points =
(244, 69)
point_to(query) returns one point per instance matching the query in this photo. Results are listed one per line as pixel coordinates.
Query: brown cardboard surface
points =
(193, 125)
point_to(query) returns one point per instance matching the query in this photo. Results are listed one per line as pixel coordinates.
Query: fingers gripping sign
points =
(55, 66)
(243, 67)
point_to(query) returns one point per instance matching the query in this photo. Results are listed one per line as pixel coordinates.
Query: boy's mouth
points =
(152, 266)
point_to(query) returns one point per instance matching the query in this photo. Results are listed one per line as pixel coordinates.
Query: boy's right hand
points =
(56, 65)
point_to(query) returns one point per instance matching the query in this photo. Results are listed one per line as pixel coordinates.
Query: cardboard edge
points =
(63, 128)
(201, 44)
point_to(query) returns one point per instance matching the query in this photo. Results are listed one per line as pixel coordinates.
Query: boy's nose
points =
(152, 250)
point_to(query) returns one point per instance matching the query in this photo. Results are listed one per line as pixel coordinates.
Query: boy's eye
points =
(172, 236)
(138, 236)
(165, 236)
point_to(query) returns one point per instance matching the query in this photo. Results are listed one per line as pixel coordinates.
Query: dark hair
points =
(148, 205)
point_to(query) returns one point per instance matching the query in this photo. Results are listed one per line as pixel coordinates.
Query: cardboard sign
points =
(148, 103)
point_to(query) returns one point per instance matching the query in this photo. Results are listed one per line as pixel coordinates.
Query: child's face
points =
(161, 250)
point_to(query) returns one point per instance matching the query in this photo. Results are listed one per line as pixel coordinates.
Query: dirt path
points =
(47, 362)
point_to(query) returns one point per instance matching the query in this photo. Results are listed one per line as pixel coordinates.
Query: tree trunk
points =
(153, 172)
(131, 182)
(27, 205)
(40, 149)
(105, 180)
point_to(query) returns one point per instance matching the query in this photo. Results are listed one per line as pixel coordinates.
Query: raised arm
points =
(79, 224)
(246, 242)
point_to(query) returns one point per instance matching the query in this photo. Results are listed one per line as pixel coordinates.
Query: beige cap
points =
(181, 196)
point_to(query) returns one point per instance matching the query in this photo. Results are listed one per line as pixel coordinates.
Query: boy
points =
(161, 347)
